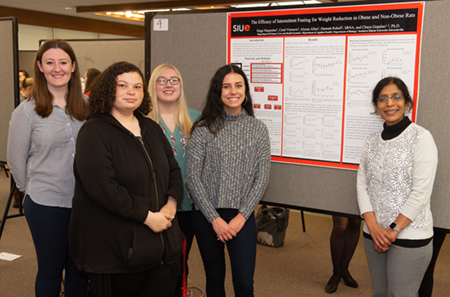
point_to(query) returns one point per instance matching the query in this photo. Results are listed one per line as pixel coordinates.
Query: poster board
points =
(9, 82)
(199, 53)
(312, 71)
(100, 53)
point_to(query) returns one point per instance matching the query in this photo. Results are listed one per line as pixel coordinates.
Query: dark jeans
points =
(49, 227)
(241, 249)
(185, 222)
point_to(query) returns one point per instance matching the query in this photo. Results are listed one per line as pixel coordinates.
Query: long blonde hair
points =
(181, 114)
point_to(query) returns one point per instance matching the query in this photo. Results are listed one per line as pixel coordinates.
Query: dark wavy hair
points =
(391, 80)
(76, 106)
(213, 114)
(24, 72)
(91, 75)
(103, 92)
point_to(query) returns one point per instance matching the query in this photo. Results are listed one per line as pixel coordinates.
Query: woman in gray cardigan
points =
(227, 173)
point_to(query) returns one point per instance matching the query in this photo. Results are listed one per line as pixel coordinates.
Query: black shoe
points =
(330, 289)
(332, 284)
(349, 280)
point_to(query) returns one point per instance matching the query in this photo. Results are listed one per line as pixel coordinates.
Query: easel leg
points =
(8, 205)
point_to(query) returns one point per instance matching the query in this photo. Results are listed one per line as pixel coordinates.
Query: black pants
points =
(426, 288)
(156, 282)
(49, 227)
(241, 250)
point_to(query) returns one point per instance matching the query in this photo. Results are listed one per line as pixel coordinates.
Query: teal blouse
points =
(179, 142)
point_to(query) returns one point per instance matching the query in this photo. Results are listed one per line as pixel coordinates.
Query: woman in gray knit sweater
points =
(227, 173)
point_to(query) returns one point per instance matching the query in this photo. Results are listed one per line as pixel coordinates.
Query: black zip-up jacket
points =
(115, 188)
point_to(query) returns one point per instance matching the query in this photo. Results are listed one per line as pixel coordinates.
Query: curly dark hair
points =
(103, 92)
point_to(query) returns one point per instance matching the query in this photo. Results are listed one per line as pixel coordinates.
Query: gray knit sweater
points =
(229, 169)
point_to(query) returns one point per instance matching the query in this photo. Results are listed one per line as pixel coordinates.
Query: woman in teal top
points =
(176, 118)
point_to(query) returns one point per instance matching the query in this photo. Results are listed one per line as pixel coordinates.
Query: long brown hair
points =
(76, 106)
(213, 114)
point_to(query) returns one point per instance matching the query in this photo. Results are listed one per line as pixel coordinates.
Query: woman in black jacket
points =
(123, 229)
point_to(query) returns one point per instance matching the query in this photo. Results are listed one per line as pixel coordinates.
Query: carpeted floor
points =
(301, 267)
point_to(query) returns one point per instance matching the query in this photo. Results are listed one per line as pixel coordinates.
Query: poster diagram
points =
(313, 105)
(312, 71)
(369, 60)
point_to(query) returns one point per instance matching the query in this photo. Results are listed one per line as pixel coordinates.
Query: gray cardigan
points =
(229, 169)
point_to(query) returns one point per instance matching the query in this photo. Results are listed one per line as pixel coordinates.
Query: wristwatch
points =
(395, 227)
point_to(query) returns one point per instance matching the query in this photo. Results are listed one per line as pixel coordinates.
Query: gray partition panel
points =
(196, 44)
(26, 60)
(197, 53)
(8, 78)
(100, 53)
(433, 111)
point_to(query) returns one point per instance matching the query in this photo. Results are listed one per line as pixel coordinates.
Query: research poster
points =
(312, 71)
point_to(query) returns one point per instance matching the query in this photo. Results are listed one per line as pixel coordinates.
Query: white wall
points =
(29, 36)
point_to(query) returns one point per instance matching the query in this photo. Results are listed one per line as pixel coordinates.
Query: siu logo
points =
(241, 28)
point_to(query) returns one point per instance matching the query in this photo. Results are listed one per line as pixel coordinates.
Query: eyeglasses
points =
(163, 81)
(394, 97)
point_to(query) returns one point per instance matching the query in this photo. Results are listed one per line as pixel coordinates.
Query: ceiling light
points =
(250, 5)
(153, 10)
(291, 3)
